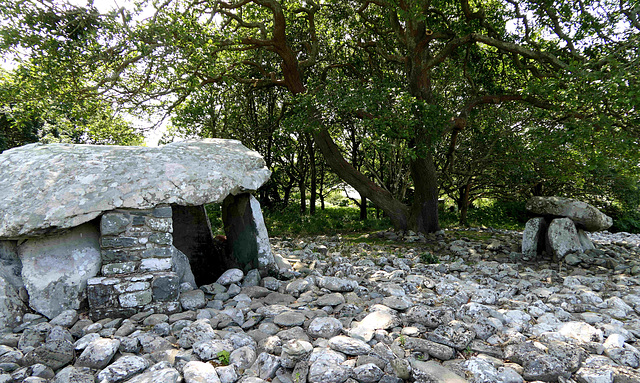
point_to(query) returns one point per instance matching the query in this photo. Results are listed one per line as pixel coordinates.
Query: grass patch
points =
(345, 220)
(496, 214)
(331, 221)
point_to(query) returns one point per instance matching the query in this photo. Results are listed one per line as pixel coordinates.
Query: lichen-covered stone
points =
(166, 287)
(562, 237)
(533, 238)
(583, 214)
(55, 269)
(36, 196)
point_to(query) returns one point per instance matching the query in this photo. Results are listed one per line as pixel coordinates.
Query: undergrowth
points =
(288, 221)
(333, 220)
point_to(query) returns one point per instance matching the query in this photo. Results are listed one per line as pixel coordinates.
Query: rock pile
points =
(365, 310)
(560, 228)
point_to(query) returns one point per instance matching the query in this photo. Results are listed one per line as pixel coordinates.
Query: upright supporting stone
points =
(246, 233)
(562, 237)
(533, 238)
(11, 306)
(585, 241)
(10, 265)
(193, 237)
(55, 269)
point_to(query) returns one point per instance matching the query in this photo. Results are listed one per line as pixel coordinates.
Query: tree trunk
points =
(287, 191)
(322, 170)
(363, 208)
(312, 164)
(303, 195)
(397, 211)
(424, 211)
(463, 204)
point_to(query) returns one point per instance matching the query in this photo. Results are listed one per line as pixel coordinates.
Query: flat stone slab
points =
(45, 188)
(584, 215)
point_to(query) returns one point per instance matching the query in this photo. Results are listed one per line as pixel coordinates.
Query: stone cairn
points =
(559, 229)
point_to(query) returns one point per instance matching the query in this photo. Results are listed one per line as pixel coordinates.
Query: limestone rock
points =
(11, 306)
(98, 353)
(562, 237)
(433, 372)
(349, 346)
(57, 186)
(55, 269)
(196, 372)
(123, 368)
(533, 238)
(324, 327)
(583, 214)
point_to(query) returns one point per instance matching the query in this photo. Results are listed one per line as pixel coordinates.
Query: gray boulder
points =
(584, 215)
(533, 238)
(585, 241)
(182, 267)
(12, 308)
(55, 269)
(562, 237)
(45, 188)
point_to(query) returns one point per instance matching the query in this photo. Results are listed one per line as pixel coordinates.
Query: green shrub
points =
(429, 258)
(223, 357)
(624, 220)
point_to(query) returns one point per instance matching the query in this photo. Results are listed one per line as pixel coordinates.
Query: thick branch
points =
(520, 50)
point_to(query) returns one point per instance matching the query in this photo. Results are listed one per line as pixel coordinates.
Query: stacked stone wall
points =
(137, 269)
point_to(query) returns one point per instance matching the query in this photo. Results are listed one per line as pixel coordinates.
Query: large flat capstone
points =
(45, 188)
(584, 215)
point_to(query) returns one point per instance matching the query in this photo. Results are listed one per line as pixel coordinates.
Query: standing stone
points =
(12, 308)
(562, 237)
(246, 232)
(192, 235)
(533, 238)
(182, 267)
(585, 241)
(584, 215)
(10, 265)
(55, 269)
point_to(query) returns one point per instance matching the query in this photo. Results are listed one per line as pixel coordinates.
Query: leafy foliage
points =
(404, 100)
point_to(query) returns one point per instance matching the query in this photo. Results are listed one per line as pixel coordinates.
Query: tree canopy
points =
(429, 96)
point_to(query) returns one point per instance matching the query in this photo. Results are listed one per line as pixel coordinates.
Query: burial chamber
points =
(125, 227)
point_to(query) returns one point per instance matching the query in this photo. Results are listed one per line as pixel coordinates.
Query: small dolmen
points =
(124, 228)
(559, 229)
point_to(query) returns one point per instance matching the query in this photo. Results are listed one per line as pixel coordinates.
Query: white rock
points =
(581, 331)
(55, 269)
